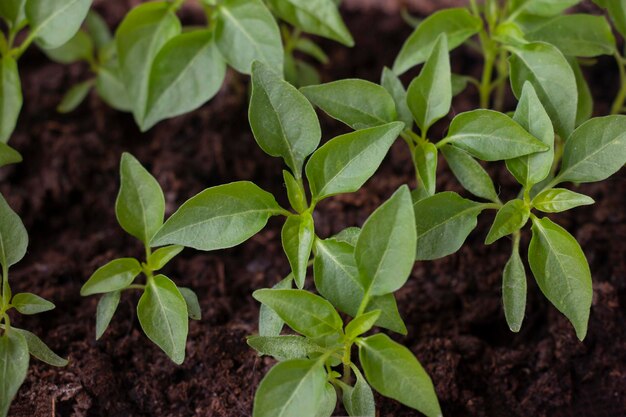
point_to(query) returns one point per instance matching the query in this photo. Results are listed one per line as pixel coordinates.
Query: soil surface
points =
(65, 192)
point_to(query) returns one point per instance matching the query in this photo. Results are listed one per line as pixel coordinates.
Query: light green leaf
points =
(79, 48)
(425, 158)
(162, 313)
(307, 46)
(514, 291)
(111, 88)
(470, 173)
(358, 400)
(75, 96)
(139, 38)
(160, 257)
(306, 313)
(555, 200)
(40, 350)
(140, 204)
(246, 31)
(509, 219)
(300, 73)
(13, 367)
(459, 84)
(98, 29)
(386, 247)
(10, 97)
(585, 98)
(27, 303)
(193, 305)
(292, 388)
(54, 22)
(492, 136)
(187, 72)
(393, 85)
(349, 235)
(105, 311)
(545, 67)
(328, 403)
(617, 12)
(343, 164)
(457, 24)
(297, 236)
(270, 324)
(219, 217)
(530, 114)
(430, 94)
(443, 222)
(595, 151)
(295, 193)
(116, 275)
(562, 272)
(362, 324)
(581, 35)
(318, 17)
(283, 347)
(8, 155)
(548, 7)
(358, 103)
(13, 236)
(12, 11)
(389, 316)
(393, 371)
(283, 122)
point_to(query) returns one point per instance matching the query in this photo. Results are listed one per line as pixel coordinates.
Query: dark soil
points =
(65, 192)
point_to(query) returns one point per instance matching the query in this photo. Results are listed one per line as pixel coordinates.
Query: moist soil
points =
(65, 192)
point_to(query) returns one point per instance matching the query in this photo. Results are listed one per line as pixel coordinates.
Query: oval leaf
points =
(105, 311)
(470, 173)
(40, 350)
(509, 219)
(514, 291)
(116, 275)
(297, 236)
(395, 88)
(283, 347)
(556, 200)
(425, 158)
(54, 22)
(13, 236)
(10, 97)
(27, 303)
(13, 367)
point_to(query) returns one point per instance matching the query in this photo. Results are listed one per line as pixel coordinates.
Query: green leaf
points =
(139, 38)
(115, 275)
(12, 11)
(105, 311)
(545, 67)
(297, 237)
(362, 324)
(283, 347)
(40, 350)
(492, 136)
(390, 82)
(393, 371)
(386, 246)
(457, 24)
(307, 46)
(300, 73)
(555, 200)
(343, 164)
(140, 204)
(283, 122)
(162, 313)
(585, 98)
(358, 400)
(530, 114)
(98, 29)
(581, 35)
(358, 103)
(514, 291)
(13, 236)
(295, 192)
(270, 324)
(111, 88)
(219, 217)
(318, 17)
(548, 7)
(617, 12)
(562, 272)
(595, 151)
(160, 257)
(8, 155)
(425, 158)
(79, 48)
(509, 219)
(443, 222)
(389, 316)
(54, 22)
(328, 403)
(246, 31)
(292, 388)
(193, 305)
(10, 97)
(187, 72)
(459, 84)
(470, 173)
(27, 303)
(75, 96)
(306, 313)
(349, 235)
(13, 367)
(430, 94)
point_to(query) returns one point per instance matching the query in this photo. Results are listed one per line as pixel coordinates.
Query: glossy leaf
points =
(358, 103)
(40, 350)
(470, 173)
(13, 236)
(283, 347)
(270, 323)
(393, 85)
(27, 303)
(13, 367)
(514, 291)
(115, 275)
(425, 158)
(443, 222)
(297, 236)
(555, 200)
(8, 155)
(54, 22)
(75, 96)
(562, 272)
(509, 219)
(283, 122)
(162, 313)
(193, 305)
(10, 97)
(219, 217)
(105, 311)
(343, 164)
(160, 257)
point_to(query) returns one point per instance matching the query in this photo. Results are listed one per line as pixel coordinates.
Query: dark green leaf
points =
(307, 46)
(13, 236)
(270, 324)
(75, 96)
(40, 350)
(193, 305)
(470, 173)
(585, 99)
(555, 200)
(393, 85)
(10, 97)
(514, 291)
(617, 11)
(12, 11)
(297, 237)
(13, 367)
(283, 347)
(116, 275)
(105, 311)
(8, 155)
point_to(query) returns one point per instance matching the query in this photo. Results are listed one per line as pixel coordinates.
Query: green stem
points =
(503, 72)
(492, 206)
(19, 51)
(621, 94)
(292, 41)
(6, 288)
(135, 287)
(559, 147)
(176, 4)
(485, 83)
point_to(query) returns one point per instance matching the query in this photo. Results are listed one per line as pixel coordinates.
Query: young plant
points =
(163, 309)
(285, 125)
(16, 344)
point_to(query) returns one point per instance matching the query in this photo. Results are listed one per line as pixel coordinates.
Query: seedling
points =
(16, 344)
(163, 308)
(355, 275)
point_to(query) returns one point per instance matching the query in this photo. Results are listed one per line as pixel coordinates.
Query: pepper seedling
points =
(16, 344)
(163, 309)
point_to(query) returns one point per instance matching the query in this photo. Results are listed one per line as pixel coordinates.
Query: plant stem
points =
(503, 71)
(616, 108)
(485, 83)
(6, 288)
